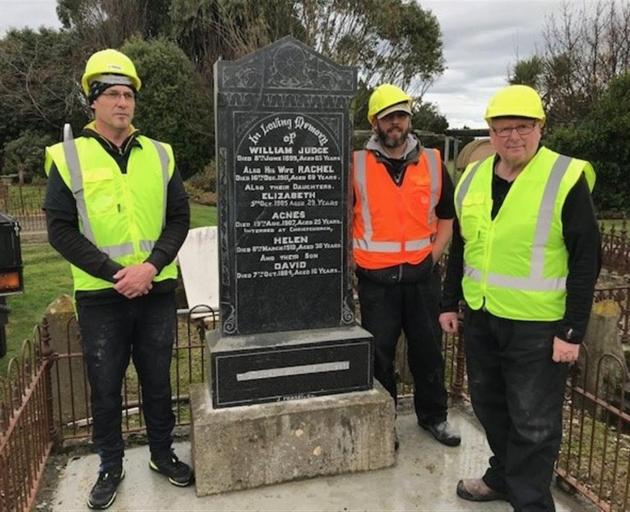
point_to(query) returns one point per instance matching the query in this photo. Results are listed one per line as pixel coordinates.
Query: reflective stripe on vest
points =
(433, 171)
(164, 161)
(76, 180)
(463, 189)
(147, 245)
(117, 251)
(535, 281)
(533, 284)
(366, 243)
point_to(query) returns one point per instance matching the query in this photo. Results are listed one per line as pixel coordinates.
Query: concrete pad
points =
(243, 447)
(423, 479)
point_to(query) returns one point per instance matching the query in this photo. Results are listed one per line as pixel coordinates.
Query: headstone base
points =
(243, 447)
(287, 365)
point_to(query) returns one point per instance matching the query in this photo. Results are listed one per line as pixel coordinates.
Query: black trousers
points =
(142, 329)
(386, 309)
(517, 393)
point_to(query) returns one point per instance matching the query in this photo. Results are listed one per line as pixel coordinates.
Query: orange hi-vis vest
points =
(394, 224)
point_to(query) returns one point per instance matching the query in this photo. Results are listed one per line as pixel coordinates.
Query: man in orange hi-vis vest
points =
(402, 222)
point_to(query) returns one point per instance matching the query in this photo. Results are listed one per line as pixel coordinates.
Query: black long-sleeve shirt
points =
(582, 240)
(64, 234)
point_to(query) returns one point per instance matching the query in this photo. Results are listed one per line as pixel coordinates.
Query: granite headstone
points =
(283, 151)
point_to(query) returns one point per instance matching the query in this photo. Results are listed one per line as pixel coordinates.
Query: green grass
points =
(46, 276)
(202, 215)
(27, 198)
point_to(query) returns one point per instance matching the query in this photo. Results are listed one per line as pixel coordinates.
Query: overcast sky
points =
(482, 39)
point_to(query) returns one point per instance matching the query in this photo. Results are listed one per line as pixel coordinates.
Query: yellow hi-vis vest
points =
(516, 265)
(121, 214)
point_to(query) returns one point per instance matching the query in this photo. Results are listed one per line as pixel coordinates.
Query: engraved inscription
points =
(288, 171)
(282, 117)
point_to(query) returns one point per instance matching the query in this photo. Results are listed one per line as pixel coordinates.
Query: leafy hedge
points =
(603, 138)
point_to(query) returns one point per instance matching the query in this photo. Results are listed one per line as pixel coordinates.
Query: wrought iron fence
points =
(26, 435)
(595, 452)
(620, 295)
(44, 402)
(616, 247)
(24, 203)
(71, 415)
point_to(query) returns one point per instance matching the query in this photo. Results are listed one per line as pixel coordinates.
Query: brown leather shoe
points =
(475, 489)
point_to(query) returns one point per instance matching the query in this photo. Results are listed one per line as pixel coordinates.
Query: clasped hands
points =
(135, 280)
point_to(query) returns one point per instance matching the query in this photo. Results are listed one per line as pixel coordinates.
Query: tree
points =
(109, 23)
(39, 87)
(584, 49)
(24, 155)
(426, 116)
(528, 72)
(229, 29)
(394, 41)
(360, 106)
(603, 138)
(173, 105)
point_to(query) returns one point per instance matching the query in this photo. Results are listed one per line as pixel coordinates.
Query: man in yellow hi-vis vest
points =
(525, 257)
(116, 209)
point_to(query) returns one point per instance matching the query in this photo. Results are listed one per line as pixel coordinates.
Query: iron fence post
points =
(49, 357)
(457, 388)
(4, 319)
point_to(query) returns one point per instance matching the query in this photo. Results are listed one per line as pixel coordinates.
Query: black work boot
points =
(178, 472)
(103, 492)
(443, 432)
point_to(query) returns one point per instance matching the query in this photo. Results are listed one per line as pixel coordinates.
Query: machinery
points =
(11, 277)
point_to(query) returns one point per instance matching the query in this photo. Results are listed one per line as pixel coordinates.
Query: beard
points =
(393, 138)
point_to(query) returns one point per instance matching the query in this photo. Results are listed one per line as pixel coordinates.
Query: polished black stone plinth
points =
(289, 365)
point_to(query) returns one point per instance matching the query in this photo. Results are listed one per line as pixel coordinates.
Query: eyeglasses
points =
(115, 96)
(521, 129)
